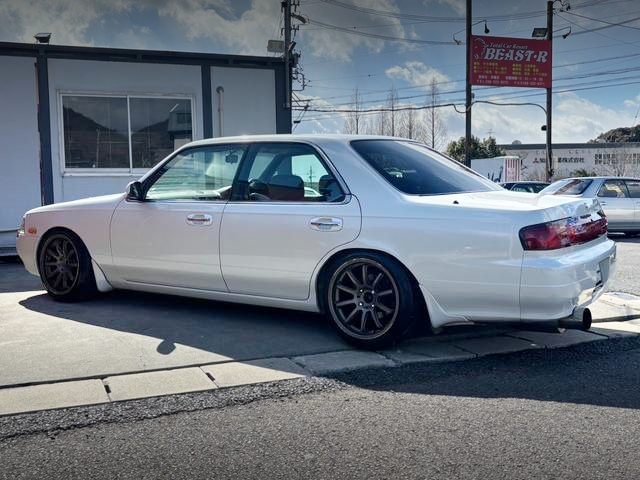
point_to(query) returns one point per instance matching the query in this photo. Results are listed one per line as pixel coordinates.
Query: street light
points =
(42, 37)
(486, 31)
(547, 34)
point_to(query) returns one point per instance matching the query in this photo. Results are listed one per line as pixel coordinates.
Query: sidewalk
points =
(614, 315)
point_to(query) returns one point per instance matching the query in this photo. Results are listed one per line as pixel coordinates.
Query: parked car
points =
(528, 186)
(619, 197)
(399, 234)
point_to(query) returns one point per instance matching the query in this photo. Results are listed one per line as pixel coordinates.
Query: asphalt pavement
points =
(125, 345)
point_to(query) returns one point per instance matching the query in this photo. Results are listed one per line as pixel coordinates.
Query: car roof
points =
(289, 137)
(605, 177)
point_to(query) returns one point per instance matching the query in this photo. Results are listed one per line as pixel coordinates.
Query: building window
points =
(123, 132)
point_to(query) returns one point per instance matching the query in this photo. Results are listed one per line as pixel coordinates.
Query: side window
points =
(279, 172)
(202, 173)
(634, 188)
(613, 189)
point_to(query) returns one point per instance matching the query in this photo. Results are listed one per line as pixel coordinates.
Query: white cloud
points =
(247, 34)
(238, 27)
(318, 122)
(575, 120)
(633, 102)
(417, 74)
(328, 43)
(458, 6)
(67, 20)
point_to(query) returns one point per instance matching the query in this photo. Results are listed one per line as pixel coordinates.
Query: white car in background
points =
(619, 197)
(377, 232)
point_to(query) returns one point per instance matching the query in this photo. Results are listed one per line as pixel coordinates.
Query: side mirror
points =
(135, 191)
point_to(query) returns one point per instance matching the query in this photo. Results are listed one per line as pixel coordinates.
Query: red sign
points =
(510, 62)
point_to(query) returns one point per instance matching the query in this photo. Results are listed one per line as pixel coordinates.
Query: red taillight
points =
(562, 233)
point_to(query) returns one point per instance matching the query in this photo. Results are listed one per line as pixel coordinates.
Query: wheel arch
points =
(322, 278)
(51, 231)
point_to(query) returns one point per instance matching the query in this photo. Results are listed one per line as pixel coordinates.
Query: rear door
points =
(633, 186)
(288, 211)
(617, 204)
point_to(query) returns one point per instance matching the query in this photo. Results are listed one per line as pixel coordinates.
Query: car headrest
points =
(329, 188)
(286, 187)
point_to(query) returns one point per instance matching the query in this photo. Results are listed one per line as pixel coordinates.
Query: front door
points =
(287, 213)
(171, 238)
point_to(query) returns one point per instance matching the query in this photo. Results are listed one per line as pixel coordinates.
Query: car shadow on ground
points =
(234, 331)
(597, 373)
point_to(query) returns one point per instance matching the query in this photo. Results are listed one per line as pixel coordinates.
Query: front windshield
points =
(568, 186)
(414, 169)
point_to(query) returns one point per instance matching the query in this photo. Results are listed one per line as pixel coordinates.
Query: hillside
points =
(622, 134)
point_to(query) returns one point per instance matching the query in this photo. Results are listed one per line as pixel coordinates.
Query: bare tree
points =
(622, 162)
(436, 130)
(412, 125)
(392, 105)
(353, 122)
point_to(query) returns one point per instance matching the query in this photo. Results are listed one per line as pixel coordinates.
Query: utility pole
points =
(286, 7)
(549, 163)
(467, 134)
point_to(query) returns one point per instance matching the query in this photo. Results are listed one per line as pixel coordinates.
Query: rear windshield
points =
(416, 170)
(569, 186)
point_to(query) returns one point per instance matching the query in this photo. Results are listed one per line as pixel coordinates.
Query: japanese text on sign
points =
(510, 62)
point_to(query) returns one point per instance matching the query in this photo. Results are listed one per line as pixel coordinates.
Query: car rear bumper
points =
(557, 282)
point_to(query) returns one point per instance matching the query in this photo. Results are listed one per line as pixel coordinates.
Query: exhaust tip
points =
(580, 320)
(586, 319)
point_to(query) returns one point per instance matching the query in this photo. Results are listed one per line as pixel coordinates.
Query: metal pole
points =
(549, 163)
(467, 131)
(286, 6)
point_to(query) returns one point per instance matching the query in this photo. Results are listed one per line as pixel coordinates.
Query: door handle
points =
(326, 224)
(602, 203)
(203, 219)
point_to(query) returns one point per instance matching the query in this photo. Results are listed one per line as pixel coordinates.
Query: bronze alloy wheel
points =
(60, 266)
(364, 299)
(65, 267)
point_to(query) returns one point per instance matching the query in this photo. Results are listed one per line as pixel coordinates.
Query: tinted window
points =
(123, 132)
(571, 186)
(634, 188)
(286, 172)
(414, 169)
(96, 132)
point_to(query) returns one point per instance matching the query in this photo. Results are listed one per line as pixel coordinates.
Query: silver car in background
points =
(619, 197)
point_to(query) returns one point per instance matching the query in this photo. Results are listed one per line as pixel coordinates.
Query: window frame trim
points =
(131, 170)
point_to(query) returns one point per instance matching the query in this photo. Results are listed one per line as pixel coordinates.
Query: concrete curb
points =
(615, 315)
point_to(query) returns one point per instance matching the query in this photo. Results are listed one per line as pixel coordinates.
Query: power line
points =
(609, 24)
(428, 18)
(354, 31)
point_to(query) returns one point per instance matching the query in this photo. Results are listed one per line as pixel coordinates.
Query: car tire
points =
(65, 267)
(370, 299)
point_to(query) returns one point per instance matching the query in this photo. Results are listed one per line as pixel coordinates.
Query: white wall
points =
(249, 101)
(19, 144)
(569, 159)
(95, 77)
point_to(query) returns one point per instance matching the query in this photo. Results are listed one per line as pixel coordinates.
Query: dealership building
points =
(622, 159)
(80, 121)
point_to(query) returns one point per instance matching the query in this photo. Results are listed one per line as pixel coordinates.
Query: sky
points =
(375, 46)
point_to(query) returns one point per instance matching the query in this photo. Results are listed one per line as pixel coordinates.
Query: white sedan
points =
(394, 233)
